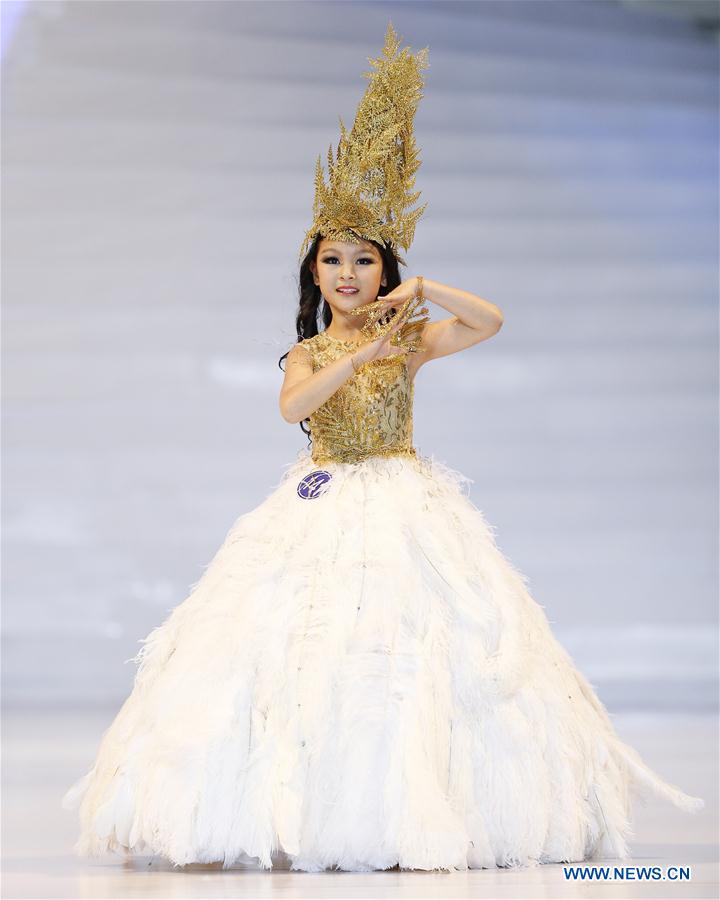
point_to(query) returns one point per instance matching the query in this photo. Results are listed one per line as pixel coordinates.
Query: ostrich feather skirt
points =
(360, 678)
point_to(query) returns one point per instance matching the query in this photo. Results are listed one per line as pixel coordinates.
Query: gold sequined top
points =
(371, 414)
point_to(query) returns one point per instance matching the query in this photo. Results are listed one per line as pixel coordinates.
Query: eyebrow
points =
(333, 250)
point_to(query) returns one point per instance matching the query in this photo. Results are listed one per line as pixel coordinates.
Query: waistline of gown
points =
(358, 457)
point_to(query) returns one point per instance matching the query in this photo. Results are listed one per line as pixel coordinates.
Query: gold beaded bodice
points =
(371, 414)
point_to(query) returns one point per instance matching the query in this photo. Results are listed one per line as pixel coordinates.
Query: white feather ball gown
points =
(360, 679)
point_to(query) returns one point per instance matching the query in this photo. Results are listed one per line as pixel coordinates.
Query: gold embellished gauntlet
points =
(408, 335)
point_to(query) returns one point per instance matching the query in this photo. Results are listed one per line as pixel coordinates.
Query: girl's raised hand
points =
(405, 291)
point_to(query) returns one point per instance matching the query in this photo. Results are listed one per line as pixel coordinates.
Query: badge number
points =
(314, 485)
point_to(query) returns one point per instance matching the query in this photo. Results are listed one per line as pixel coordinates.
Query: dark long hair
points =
(312, 307)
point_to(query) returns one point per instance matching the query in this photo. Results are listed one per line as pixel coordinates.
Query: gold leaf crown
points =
(372, 176)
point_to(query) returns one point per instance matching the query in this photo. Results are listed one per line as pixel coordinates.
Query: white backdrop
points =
(158, 163)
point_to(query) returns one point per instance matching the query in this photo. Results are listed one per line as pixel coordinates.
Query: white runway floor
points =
(44, 751)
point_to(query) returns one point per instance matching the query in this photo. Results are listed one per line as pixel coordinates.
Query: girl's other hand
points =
(380, 347)
(405, 291)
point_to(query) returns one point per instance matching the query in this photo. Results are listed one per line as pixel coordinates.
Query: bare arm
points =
(303, 391)
(473, 319)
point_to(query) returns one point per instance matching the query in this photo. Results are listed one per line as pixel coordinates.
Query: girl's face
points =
(341, 263)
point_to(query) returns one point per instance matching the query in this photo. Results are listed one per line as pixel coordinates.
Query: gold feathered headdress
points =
(371, 179)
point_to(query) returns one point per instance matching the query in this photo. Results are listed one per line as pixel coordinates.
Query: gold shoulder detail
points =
(300, 353)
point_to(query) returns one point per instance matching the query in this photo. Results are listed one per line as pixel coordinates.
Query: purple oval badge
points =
(314, 485)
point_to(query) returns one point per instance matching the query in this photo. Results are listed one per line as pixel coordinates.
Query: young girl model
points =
(361, 679)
